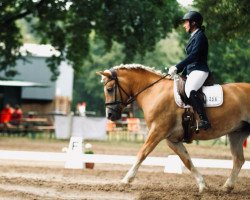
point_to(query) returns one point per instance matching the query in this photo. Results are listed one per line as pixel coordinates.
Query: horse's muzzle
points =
(113, 114)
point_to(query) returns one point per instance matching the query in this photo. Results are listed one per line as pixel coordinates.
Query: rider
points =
(194, 66)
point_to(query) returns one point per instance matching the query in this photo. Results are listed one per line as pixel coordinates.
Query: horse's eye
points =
(110, 90)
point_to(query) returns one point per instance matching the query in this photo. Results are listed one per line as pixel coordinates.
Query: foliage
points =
(87, 85)
(88, 149)
(167, 52)
(226, 19)
(89, 152)
(67, 24)
(230, 61)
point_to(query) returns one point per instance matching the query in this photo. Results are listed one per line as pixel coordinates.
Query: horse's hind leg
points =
(236, 140)
(181, 151)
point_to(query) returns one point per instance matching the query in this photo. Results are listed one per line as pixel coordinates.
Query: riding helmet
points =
(194, 16)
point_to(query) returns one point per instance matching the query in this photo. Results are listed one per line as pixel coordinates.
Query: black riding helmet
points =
(194, 16)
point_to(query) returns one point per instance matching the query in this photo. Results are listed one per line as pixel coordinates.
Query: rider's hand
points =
(172, 71)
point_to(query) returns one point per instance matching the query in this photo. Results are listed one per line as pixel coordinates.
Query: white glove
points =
(172, 71)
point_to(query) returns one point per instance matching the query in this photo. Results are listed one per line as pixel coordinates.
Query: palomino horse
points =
(154, 94)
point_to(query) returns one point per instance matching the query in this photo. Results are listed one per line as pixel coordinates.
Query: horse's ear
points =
(103, 73)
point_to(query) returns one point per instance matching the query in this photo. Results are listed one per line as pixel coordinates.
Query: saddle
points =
(211, 94)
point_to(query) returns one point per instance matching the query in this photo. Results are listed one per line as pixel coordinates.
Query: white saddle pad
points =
(214, 95)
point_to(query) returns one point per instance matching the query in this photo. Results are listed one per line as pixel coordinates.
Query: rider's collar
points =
(192, 34)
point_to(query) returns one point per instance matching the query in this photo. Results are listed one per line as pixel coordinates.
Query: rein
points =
(131, 98)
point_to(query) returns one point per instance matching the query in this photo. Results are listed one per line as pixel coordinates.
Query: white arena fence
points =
(99, 128)
(171, 163)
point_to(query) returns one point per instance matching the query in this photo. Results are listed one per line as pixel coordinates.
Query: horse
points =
(154, 94)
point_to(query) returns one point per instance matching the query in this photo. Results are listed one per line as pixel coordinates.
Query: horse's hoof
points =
(227, 188)
(203, 188)
(125, 181)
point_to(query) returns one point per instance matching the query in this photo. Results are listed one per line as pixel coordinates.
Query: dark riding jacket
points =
(197, 52)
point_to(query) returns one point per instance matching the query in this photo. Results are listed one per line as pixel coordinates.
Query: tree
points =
(167, 52)
(226, 19)
(230, 61)
(67, 24)
(87, 85)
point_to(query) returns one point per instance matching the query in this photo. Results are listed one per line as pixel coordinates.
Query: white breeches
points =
(194, 81)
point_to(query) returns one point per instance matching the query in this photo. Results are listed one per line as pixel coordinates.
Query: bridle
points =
(119, 87)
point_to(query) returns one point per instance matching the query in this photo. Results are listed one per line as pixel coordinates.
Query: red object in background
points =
(6, 115)
(16, 116)
(245, 143)
(133, 124)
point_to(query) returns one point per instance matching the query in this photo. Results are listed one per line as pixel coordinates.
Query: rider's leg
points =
(194, 82)
(199, 108)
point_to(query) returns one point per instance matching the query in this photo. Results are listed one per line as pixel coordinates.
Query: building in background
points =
(51, 96)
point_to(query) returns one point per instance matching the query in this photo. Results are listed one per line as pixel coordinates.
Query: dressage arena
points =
(49, 180)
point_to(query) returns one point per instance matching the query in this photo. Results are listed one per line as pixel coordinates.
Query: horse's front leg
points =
(152, 140)
(181, 151)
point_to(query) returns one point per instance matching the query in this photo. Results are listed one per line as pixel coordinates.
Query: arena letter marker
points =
(74, 154)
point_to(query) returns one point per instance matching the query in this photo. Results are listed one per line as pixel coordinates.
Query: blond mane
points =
(138, 66)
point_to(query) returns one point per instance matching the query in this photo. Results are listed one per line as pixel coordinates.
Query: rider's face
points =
(186, 25)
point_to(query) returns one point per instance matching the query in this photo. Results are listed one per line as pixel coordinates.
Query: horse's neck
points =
(138, 80)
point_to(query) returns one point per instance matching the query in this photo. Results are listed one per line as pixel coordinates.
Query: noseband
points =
(130, 98)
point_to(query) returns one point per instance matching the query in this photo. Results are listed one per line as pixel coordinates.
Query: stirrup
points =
(204, 125)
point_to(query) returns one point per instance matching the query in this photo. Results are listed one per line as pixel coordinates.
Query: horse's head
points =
(115, 96)
(124, 83)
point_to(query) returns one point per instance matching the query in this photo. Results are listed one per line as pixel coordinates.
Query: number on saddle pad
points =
(214, 95)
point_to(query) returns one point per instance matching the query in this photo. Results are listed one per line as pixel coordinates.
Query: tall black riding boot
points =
(198, 106)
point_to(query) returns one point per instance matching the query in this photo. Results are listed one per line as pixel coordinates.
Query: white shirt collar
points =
(192, 34)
